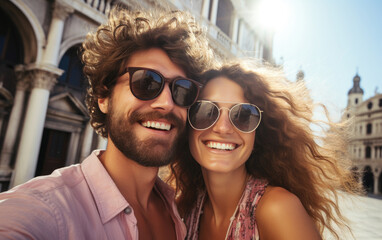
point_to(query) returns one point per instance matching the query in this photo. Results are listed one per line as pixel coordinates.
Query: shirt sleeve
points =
(28, 216)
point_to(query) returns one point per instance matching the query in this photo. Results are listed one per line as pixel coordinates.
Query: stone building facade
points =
(44, 123)
(366, 139)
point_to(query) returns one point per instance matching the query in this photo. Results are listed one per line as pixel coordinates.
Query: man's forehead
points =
(157, 59)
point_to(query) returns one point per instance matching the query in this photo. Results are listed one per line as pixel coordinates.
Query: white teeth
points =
(157, 125)
(221, 146)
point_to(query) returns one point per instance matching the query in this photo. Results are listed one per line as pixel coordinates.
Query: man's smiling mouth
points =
(156, 125)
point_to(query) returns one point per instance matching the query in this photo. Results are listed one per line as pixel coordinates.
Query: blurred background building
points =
(44, 122)
(366, 138)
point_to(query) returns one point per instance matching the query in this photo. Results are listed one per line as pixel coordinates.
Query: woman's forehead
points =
(222, 89)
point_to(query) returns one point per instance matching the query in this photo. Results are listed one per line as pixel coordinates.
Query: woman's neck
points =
(224, 193)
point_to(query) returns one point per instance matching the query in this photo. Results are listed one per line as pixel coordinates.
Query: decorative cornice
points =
(61, 10)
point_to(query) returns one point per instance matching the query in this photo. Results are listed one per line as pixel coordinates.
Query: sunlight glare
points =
(272, 15)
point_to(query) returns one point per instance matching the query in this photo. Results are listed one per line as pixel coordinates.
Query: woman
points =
(255, 169)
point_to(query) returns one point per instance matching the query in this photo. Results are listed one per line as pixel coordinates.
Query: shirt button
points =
(128, 210)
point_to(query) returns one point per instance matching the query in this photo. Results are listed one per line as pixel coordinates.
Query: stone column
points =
(43, 79)
(377, 171)
(73, 148)
(206, 8)
(87, 142)
(102, 142)
(52, 50)
(235, 27)
(214, 11)
(8, 150)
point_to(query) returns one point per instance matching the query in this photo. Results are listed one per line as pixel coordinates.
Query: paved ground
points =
(365, 214)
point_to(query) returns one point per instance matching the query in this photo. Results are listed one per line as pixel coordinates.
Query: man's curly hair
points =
(106, 51)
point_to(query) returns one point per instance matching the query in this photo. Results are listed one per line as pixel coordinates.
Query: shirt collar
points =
(107, 196)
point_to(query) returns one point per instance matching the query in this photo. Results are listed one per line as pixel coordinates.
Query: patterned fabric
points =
(244, 225)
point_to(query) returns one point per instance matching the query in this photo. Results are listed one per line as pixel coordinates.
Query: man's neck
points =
(134, 181)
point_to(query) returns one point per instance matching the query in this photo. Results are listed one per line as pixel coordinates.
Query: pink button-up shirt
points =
(77, 202)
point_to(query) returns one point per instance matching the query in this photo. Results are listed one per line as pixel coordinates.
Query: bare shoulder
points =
(275, 199)
(281, 215)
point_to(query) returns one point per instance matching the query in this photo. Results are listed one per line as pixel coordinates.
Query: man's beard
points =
(120, 129)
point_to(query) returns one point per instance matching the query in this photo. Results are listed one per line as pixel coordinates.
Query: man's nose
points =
(164, 101)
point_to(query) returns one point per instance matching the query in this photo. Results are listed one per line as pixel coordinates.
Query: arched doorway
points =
(368, 179)
(380, 183)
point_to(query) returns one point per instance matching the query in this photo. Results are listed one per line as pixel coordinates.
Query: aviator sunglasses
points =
(147, 84)
(204, 114)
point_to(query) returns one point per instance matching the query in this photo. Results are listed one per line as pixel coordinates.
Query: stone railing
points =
(222, 44)
(102, 6)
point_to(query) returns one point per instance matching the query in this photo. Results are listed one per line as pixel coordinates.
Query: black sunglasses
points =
(147, 84)
(204, 114)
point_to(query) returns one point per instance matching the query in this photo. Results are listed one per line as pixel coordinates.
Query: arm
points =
(280, 215)
(23, 216)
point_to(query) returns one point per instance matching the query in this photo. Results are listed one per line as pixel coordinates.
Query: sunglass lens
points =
(203, 115)
(245, 117)
(145, 84)
(184, 92)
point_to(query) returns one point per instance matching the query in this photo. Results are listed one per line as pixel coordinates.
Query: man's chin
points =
(148, 153)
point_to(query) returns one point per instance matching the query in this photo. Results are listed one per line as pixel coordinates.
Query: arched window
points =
(11, 54)
(73, 76)
(368, 179)
(11, 51)
(370, 105)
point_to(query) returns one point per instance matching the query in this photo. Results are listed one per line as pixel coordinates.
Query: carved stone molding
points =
(43, 75)
(43, 79)
(23, 79)
(61, 10)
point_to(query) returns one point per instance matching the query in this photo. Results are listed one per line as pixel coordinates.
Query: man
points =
(140, 70)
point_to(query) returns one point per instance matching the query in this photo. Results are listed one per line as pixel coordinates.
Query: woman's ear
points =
(103, 104)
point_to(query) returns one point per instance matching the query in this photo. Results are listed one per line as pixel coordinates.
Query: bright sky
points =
(329, 40)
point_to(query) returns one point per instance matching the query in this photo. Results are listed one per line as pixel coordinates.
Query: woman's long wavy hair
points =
(287, 152)
(106, 51)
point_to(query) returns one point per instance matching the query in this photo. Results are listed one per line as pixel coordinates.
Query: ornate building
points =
(366, 140)
(44, 123)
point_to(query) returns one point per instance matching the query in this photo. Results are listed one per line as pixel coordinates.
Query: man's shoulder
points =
(44, 206)
(60, 178)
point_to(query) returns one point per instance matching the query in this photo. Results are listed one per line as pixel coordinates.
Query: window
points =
(380, 102)
(368, 128)
(368, 152)
(72, 65)
(369, 105)
(356, 100)
(224, 16)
